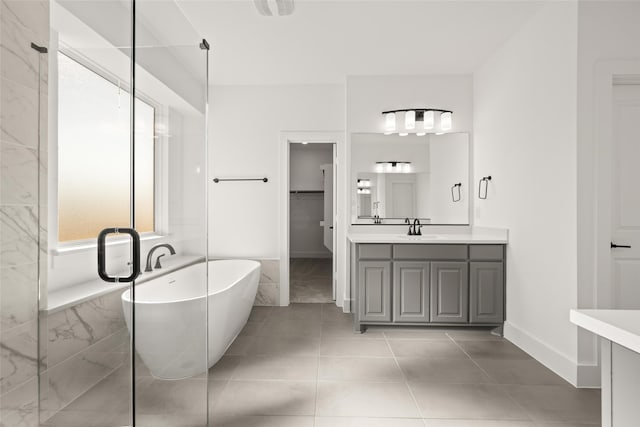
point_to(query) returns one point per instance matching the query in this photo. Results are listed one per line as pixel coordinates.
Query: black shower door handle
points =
(102, 255)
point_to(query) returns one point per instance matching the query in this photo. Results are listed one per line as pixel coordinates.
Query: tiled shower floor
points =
(302, 366)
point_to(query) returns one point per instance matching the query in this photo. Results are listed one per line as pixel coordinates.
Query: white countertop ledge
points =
(428, 238)
(619, 326)
(69, 296)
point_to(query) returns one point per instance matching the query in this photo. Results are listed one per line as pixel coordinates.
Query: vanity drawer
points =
(374, 251)
(435, 252)
(486, 252)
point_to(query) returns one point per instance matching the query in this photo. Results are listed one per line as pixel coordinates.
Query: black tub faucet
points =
(150, 255)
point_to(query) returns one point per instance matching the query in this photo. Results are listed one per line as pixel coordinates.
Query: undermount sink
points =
(422, 237)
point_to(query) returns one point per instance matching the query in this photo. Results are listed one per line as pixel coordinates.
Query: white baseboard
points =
(578, 375)
(589, 376)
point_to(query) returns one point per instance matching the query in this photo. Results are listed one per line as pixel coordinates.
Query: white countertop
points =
(479, 236)
(619, 326)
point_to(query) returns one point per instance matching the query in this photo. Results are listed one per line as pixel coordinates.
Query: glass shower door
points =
(123, 312)
(85, 359)
(171, 309)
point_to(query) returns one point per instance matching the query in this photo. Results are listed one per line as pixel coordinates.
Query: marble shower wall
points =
(82, 345)
(23, 153)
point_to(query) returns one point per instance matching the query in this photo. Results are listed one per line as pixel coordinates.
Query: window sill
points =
(89, 245)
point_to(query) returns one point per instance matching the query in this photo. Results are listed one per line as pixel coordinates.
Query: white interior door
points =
(328, 206)
(625, 198)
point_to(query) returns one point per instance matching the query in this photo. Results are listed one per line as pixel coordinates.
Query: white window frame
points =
(161, 162)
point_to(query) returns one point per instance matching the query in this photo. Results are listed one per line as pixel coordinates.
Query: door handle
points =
(613, 246)
(102, 255)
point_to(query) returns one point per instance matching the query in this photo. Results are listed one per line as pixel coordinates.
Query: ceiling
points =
(324, 41)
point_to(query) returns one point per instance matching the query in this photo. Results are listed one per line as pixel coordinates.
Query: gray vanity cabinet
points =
(486, 284)
(374, 291)
(411, 292)
(449, 292)
(422, 284)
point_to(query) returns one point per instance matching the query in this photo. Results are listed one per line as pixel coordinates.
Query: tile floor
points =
(310, 280)
(302, 366)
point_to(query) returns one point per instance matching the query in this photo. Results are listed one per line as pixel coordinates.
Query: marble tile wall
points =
(23, 153)
(84, 344)
(269, 286)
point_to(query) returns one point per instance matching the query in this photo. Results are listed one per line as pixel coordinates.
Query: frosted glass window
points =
(94, 155)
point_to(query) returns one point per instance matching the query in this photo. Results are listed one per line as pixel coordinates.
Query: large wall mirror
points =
(396, 177)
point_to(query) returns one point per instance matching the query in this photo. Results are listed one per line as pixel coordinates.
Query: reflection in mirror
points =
(396, 177)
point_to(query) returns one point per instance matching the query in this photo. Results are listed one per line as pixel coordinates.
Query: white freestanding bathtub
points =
(171, 316)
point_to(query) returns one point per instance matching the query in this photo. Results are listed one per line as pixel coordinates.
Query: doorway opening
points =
(312, 213)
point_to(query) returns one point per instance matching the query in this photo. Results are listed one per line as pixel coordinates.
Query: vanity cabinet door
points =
(487, 292)
(374, 291)
(449, 292)
(411, 292)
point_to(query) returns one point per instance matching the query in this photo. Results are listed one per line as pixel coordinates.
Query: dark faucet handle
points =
(418, 230)
(158, 261)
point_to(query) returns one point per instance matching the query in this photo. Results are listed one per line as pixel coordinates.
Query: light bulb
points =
(390, 122)
(403, 133)
(389, 167)
(421, 134)
(379, 167)
(410, 120)
(406, 168)
(446, 120)
(429, 120)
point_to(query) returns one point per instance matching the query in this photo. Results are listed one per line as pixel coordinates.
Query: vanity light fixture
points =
(410, 120)
(364, 183)
(418, 121)
(389, 123)
(393, 167)
(446, 120)
(364, 191)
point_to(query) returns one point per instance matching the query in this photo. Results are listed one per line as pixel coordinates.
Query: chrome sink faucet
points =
(150, 256)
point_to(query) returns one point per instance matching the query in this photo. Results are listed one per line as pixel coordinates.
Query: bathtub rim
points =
(256, 265)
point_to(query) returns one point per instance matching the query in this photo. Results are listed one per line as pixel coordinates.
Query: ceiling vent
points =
(267, 7)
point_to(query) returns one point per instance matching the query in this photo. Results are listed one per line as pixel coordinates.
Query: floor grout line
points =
(406, 382)
(500, 386)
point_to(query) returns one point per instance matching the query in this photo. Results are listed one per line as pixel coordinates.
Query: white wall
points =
(606, 31)
(244, 138)
(525, 138)
(449, 165)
